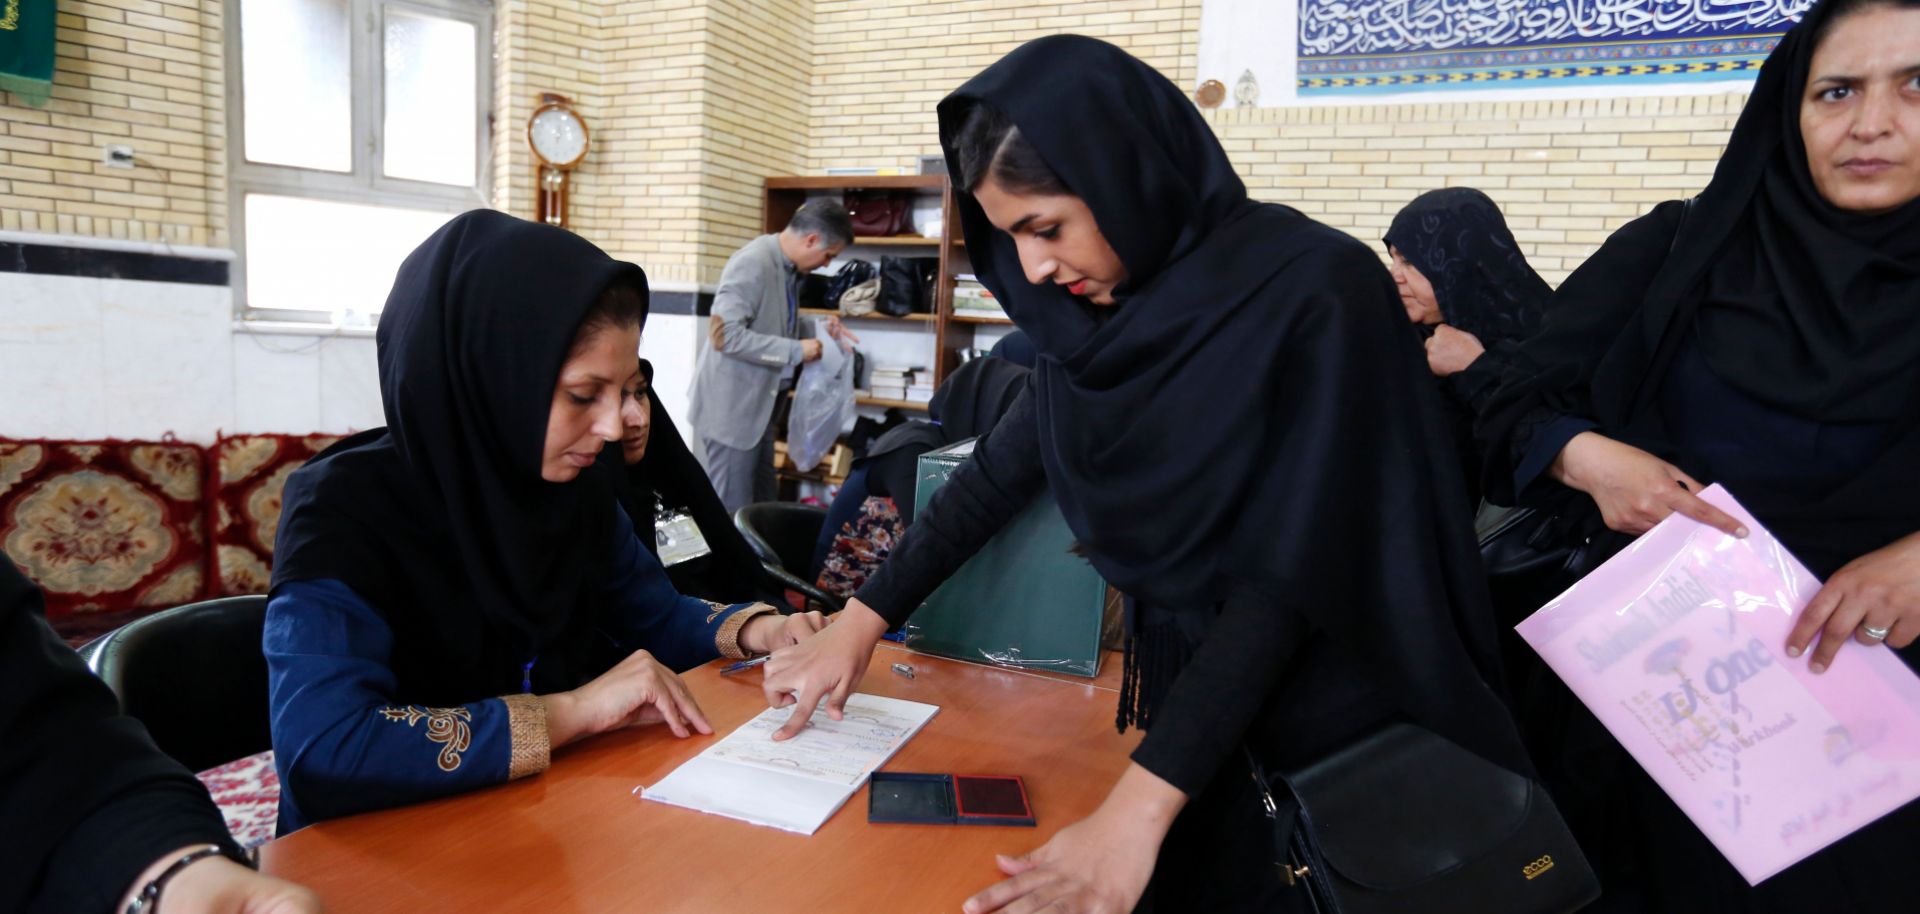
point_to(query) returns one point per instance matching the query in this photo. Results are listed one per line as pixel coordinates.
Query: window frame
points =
(365, 182)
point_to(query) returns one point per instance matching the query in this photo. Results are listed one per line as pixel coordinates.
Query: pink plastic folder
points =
(1678, 645)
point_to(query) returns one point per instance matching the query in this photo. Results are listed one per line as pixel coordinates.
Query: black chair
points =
(195, 676)
(783, 534)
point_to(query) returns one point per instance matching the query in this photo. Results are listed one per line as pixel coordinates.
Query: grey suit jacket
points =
(748, 347)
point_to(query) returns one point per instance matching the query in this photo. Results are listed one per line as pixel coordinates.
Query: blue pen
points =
(732, 668)
(900, 637)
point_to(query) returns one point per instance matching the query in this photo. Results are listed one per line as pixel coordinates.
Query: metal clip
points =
(1293, 875)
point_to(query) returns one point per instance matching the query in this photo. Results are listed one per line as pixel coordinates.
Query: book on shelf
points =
(973, 298)
(887, 392)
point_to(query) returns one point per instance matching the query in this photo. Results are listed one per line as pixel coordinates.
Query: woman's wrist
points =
(1566, 466)
(863, 619)
(167, 888)
(563, 719)
(1145, 800)
(760, 630)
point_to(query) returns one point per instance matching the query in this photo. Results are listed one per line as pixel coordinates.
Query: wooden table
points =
(576, 838)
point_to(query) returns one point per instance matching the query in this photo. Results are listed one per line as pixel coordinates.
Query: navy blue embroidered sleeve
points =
(343, 742)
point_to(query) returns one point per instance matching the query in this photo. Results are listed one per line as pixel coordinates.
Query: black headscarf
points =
(441, 520)
(1458, 239)
(668, 474)
(1189, 454)
(1805, 307)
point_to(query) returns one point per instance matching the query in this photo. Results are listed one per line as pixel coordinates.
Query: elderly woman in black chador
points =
(1471, 296)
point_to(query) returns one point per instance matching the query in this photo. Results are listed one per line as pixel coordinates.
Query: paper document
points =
(1678, 646)
(798, 784)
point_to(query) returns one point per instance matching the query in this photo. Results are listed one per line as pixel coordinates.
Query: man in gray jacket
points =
(754, 339)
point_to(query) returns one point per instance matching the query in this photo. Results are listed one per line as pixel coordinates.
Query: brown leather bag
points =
(878, 213)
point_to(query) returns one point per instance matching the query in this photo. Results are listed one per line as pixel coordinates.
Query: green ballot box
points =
(1025, 600)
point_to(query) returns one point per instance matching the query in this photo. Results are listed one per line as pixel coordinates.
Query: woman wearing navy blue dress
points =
(458, 594)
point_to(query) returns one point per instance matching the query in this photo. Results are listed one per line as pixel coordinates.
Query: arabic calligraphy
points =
(1338, 27)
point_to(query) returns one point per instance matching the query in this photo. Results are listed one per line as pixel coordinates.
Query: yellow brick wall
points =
(141, 73)
(755, 95)
(1567, 173)
(694, 102)
(880, 66)
(540, 46)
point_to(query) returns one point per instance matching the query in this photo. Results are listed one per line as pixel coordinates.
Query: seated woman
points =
(876, 503)
(1469, 291)
(663, 474)
(458, 594)
(1221, 409)
(1761, 337)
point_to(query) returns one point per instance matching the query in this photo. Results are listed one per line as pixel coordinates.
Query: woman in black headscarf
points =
(663, 474)
(1221, 408)
(458, 593)
(1471, 296)
(1761, 336)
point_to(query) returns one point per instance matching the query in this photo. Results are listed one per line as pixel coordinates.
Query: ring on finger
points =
(1875, 634)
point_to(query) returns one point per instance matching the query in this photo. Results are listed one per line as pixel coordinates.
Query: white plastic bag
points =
(822, 404)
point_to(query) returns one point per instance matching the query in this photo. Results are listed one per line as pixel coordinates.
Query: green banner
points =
(26, 49)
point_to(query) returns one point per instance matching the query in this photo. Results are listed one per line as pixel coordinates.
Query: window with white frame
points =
(355, 128)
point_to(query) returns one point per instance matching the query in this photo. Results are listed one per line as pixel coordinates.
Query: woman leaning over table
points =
(459, 593)
(1221, 407)
(1763, 337)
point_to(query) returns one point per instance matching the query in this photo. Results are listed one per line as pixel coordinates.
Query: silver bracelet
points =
(149, 897)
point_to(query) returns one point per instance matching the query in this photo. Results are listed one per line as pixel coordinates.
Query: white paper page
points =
(798, 784)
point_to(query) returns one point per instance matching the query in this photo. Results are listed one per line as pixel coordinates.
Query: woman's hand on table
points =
(767, 633)
(1634, 489)
(1098, 865)
(637, 691)
(826, 667)
(1879, 590)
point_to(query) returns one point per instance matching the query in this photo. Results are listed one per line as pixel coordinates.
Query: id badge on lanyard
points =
(678, 537)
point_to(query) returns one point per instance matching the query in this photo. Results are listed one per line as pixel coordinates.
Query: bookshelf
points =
(951, 333)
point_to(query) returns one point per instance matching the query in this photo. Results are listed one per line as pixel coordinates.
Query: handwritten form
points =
(798, 784)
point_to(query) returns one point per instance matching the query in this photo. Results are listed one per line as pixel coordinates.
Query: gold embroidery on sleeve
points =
(717, 608)
(447, 726)
(527, 723)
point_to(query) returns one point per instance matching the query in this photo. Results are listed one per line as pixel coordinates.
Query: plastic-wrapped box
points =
(1025, 600)
(1678, 646)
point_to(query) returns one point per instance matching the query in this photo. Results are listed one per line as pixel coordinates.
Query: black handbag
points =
(812, 291)
(852, 273)
(1534, 554)
(905, 284)
(1403, 820)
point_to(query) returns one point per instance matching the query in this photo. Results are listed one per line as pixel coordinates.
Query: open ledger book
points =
(798, 784)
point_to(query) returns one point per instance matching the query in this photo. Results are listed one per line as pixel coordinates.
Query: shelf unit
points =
(952, 332)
